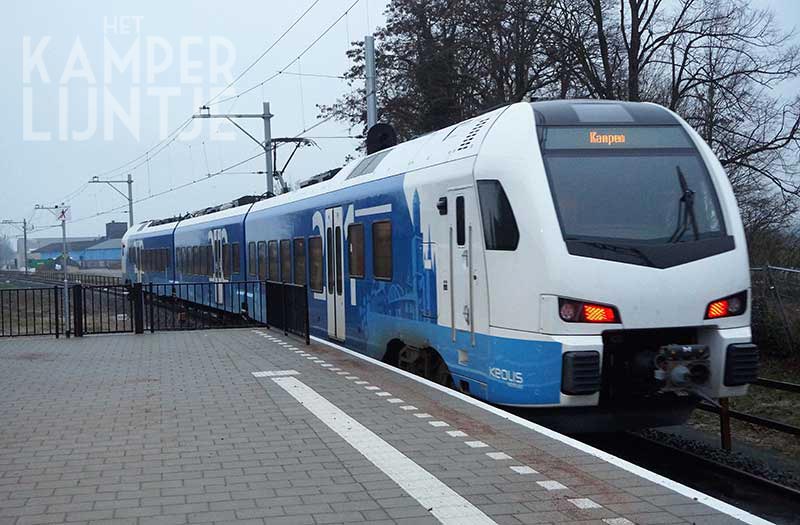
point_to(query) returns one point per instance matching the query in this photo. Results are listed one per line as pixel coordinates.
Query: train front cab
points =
(632, 329)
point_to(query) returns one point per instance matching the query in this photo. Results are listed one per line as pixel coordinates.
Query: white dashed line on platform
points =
(523, 469)
(438, 424)
(371, 387)
(499, 456)
(443, 502)
(275, 373)
(383, 394)
(408, 407)
(618, 521)
(422, 415)
(551, 485)
(476, 444)
(585, 503)
(456, 433)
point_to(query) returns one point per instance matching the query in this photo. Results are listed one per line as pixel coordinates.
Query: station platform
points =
(249, 426)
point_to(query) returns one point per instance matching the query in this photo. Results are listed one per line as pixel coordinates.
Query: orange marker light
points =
(594, 313)
(717, 309)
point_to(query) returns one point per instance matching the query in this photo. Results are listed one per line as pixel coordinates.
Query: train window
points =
(209, 260)
(300, 261)
(339, 269)
(262, 260)
(316, 265)
(192, 265)
(273, 261)
(382, 249)
(202, 264)
(355, 238)
(236, 261)
(252, 262)
(226, 260)
(166, 259)
(500, 230)
(461, 237)
(286, 261)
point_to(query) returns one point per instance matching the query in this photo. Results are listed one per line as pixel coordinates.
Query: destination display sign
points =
(610, 138)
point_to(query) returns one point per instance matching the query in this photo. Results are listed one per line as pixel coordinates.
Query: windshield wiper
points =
(685, 210)
(625, 250)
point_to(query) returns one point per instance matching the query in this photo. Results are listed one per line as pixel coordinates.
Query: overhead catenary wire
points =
(165, 192)
(169, 139)
(262, 55)
(298, 57)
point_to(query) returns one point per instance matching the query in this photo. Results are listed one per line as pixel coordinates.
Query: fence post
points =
(725, 424)
(264, 303)
(57, 300)
(138, 308)
(77, 310)
(283, 306)
(305, 314)
(771, 285)
(153, 307)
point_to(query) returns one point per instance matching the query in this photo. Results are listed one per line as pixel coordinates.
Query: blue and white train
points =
(549, 254)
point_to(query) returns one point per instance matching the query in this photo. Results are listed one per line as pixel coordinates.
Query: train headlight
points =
(727, 306)
(573, 311)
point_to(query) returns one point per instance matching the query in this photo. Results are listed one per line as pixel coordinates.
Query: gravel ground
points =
(758, 461)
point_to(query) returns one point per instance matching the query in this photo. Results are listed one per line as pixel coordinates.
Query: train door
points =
(461, 239)
(218, 239)
(334, 240)
(137, 253)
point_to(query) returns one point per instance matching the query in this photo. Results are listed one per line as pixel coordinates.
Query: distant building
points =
(115, 230)
(52, 252)
(34, 243)
(105, 254)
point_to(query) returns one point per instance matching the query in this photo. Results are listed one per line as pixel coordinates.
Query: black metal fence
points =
(49, 276)
(136, 308)
(31, 311)
(104, 309)
(196, 306)
(73, 277)
(287, 308)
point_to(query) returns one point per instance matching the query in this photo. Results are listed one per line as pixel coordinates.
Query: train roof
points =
(454, 142)
(595, 112)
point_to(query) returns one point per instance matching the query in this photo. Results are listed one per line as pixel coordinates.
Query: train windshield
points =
(640, 185)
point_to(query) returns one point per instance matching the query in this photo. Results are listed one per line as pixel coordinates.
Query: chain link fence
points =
(776, 309)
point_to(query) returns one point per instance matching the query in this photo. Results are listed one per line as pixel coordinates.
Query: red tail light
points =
(573, 311)
(717, 309)
(727, 306)
(595, 313)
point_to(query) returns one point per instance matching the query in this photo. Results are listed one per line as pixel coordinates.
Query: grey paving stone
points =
(172, 428)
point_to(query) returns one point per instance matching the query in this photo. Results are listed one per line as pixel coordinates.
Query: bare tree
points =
(7, 252)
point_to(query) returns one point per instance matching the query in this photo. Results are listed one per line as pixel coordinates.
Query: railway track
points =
(764, 497)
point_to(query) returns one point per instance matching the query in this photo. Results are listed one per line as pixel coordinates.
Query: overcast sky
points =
(74, 108)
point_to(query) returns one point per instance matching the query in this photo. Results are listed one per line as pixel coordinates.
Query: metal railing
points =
(726, 413)
(287, 308)
(75, 277)
(104, 309)
(195, 306)
(125, 308)
(49, 276)
(30, 311)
